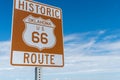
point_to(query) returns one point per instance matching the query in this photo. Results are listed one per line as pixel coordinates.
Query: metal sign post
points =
(38, 73)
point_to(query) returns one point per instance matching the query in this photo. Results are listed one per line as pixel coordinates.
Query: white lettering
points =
(38, 8)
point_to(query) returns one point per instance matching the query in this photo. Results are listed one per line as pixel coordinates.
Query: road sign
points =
(37, 38)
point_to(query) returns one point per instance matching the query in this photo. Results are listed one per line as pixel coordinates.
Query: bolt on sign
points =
(37, 38)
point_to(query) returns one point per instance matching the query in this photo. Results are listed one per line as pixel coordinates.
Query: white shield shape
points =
(39, 33)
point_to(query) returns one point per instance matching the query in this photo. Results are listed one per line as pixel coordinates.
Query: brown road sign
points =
(37, 38)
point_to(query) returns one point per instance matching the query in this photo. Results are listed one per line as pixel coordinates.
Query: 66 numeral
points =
(36, 38)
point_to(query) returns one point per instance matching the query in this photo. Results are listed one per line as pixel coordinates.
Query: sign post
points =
(37, 36)
(38, 73)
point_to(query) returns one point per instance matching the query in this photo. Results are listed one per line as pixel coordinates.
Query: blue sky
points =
(78, 15)
(91, 40)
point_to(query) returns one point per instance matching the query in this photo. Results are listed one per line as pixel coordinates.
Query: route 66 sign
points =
(42, 33)
(37, 38)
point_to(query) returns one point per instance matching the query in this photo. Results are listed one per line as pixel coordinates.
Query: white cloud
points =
(87, 64)
(22, 79)
(91, 55)
(71, 37)
(110, 37)
(84, 53)
(3, 69)
(109, 45)
(102, 31)
(4, 47)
